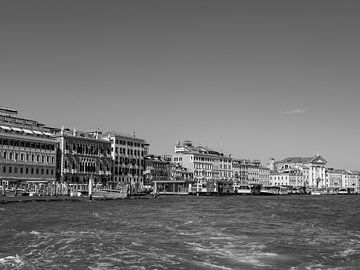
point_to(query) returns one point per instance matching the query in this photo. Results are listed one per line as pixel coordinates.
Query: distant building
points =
(179, 173)
(207, 165)
(264, 176)
(250, 172)
(156, 169)
(291, 177)
(83, 155)
(334, 178)
(315, 165)
(27, 150)
(128, 154)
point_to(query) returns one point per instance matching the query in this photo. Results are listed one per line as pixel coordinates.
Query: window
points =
(4, 169)
(21, 170)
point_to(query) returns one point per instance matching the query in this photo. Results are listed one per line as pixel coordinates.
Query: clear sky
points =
(256, 79)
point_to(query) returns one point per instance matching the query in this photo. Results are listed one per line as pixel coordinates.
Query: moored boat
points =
(120, 193)
(315, 192)
(243, 190)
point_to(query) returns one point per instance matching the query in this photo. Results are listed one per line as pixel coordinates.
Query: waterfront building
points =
(178, 172)
(83, 155)
(203, 162)
(27, 150)
(334, 178)
(264, 176)
(156, 169)
(291, 177)
(248, 172)
(315, 165)
(128, 154)
(225, 167)
(349, 180)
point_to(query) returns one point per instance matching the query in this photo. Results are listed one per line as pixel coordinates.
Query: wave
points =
(14, 262)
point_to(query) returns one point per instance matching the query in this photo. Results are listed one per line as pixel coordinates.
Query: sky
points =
(254, 79)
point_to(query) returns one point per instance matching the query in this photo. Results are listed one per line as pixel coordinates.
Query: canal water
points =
(289, 232)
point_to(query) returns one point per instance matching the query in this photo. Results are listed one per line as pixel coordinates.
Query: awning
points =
(38, 132)
(17, 129)
(47, 133)
(3, 127)
(27, 131)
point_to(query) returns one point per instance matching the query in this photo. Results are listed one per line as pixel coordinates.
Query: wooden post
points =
(3, 188)
(90, 188)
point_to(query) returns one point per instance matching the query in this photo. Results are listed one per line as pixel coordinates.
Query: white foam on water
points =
(348, 252)
(209, 265)
(33, 232)
(14, 262)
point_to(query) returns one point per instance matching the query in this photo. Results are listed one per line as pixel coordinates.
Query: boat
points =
(243, 190)
(267, 191)
(315, 192)
(120, 193)
(343, 191)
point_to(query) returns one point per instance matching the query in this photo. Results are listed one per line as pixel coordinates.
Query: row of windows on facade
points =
(199, 173)
(27, 170)
(127, 179)
(27, 144)
(120, 150)
(125, 171)
(225, 167)
(126, 161)
(86, 149)
(15, 156)
(204, 159)
(84, 166)
(129, 143)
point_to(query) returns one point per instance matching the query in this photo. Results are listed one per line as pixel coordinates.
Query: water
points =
(290, 232)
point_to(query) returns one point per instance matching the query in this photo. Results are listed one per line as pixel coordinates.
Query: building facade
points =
(315, 165)
(27, 150)
(156, 169)
(264, 176)
(334, 178)
(128, 155)
(83, 155)
(203, 162)
(292, 177)
(179, 173)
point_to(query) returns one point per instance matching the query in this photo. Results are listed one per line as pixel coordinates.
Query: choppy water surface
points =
(298, 232)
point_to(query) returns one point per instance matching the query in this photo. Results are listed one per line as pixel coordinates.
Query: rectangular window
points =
(4, 169)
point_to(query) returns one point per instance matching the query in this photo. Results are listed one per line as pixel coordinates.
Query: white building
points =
(313, 167)
(206, 164)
